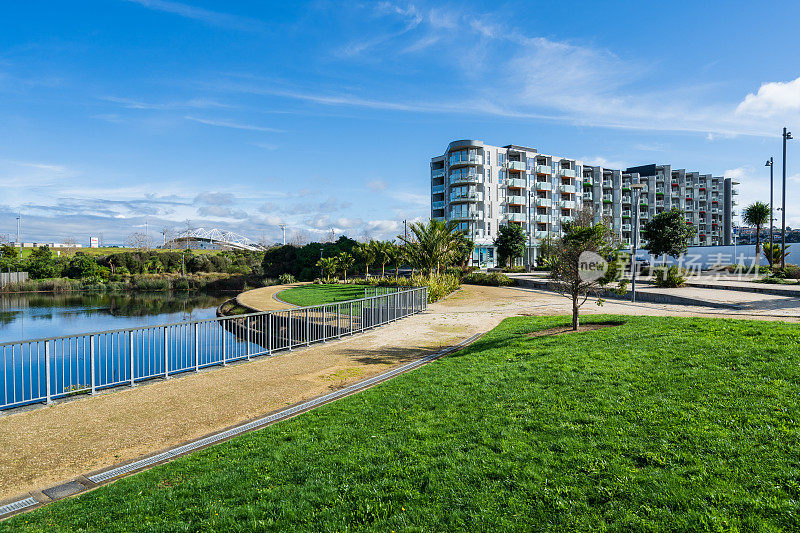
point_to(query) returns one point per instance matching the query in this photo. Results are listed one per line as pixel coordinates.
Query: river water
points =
(38, 315)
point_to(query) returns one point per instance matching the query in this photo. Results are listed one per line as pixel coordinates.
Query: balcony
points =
(542, 219)
(567, 204)
(438, 173)
(473, 160)
(626, 213)
(440, 219)
(517, 165)
(626, 199)
(516, 217)
(456, 179)
(516, 182)
(587, 180)
(437, 189)
(542, 234)
(471, 196)
(644, 201)
(608, 197)
(466, 215)
(659, 203)
(734, 192)
(587, 195)
(567, 219)
(514, 199)
(543, 186)
(437, 205)
(567, 172)
(626, 186)
(544, 202)
(660, 190)
(570, 189)
(626, 227)
(543, 169)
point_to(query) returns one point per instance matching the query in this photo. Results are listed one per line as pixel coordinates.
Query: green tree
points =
(434, 245)
(510, 243)
(41, 264)
(345, 261)
(667, 233)
(383, 254)
(8, 251)
(757, 214)
(81, 266)
(584, 241)
(328, 266)
(774, 253)
(366, 254)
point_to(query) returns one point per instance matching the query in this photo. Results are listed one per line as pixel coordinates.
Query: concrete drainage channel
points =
(92, 480)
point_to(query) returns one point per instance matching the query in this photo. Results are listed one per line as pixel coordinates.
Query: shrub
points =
(790, 272)
(494, 279)
(671, 278)
(285, 279)
(515, 269)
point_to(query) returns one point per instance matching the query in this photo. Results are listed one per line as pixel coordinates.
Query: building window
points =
(489, 228)
(488, 157)
(501, 158)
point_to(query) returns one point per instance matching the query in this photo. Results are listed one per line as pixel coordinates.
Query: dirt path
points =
(47, 445)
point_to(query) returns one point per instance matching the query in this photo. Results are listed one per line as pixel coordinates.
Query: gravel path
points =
(43, 446)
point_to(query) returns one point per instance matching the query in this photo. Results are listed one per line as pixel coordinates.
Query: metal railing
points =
(42, 370)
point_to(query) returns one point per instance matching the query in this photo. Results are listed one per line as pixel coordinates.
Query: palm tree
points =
(757, 214)
(327, 265)
(345, 261)
(383, 254)
(433, 245)
(366, 253)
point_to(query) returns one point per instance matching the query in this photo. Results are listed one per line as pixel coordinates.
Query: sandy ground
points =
(44, 446)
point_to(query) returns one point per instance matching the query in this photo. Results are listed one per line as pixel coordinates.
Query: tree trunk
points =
(758, 245)
(575, 319)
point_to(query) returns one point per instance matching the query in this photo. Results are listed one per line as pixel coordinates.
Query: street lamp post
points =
(636, 188)
(786, 136)
(770, 163)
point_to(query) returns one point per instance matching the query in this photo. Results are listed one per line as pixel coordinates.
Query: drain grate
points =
(17, 505)
(286, 413)
(61, 491)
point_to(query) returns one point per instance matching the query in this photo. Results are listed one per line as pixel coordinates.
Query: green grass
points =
(659, 424)
(314, 294)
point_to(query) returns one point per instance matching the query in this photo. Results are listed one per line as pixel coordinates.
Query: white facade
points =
(481, 187)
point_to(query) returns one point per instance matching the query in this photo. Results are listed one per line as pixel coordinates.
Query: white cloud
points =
(421, 200)
(603, 162)
(772, 99)
(231, 124)
(212, 18)
(376, 185)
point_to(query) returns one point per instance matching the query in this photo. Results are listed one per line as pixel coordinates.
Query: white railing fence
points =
(42, 370)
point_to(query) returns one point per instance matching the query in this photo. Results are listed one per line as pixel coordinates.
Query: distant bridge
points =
(218, 237)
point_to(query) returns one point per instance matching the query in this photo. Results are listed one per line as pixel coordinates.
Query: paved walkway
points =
(44, 446)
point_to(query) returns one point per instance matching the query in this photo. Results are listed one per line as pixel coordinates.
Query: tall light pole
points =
(636, 188)
(770, 163)
(19, 222)
(786, 136)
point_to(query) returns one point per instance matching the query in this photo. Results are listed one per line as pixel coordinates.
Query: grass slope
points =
(659, 424)
(314, 294)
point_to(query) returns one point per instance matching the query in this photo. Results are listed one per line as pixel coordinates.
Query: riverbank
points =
(141, 283)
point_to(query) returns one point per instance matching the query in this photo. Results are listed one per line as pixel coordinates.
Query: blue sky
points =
(320, 115)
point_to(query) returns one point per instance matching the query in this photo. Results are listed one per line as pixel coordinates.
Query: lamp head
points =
(789, 135)
(768, 163)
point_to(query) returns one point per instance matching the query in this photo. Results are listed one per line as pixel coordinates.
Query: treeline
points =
(43, 263)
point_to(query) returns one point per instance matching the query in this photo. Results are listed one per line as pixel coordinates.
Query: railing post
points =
(196, 348)
(132, 360)
(247, 330)
(269, 333)
(91, 363)
(47, 372)
(290, 330)
(308, 326)
(324, 325)
(224, 346)
(166, 352)
(338, 321)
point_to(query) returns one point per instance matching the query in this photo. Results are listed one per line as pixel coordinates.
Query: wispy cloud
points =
(212, 18)
(231, 124)
(194, 103)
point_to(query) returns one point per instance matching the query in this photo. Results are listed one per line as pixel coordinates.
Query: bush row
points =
(212, 282)
(494, 279)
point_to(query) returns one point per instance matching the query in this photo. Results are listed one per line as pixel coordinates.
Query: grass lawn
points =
(659, 424)
(313, 294)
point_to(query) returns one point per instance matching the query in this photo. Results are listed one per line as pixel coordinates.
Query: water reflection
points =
(29, 316)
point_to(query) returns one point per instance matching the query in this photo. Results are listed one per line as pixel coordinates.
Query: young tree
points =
(774, 253)
(510, 243)
(756, 214)
(345, 262)
(584, 260)
(667, 233)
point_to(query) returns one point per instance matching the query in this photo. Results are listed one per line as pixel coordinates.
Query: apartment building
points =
(482, 187)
